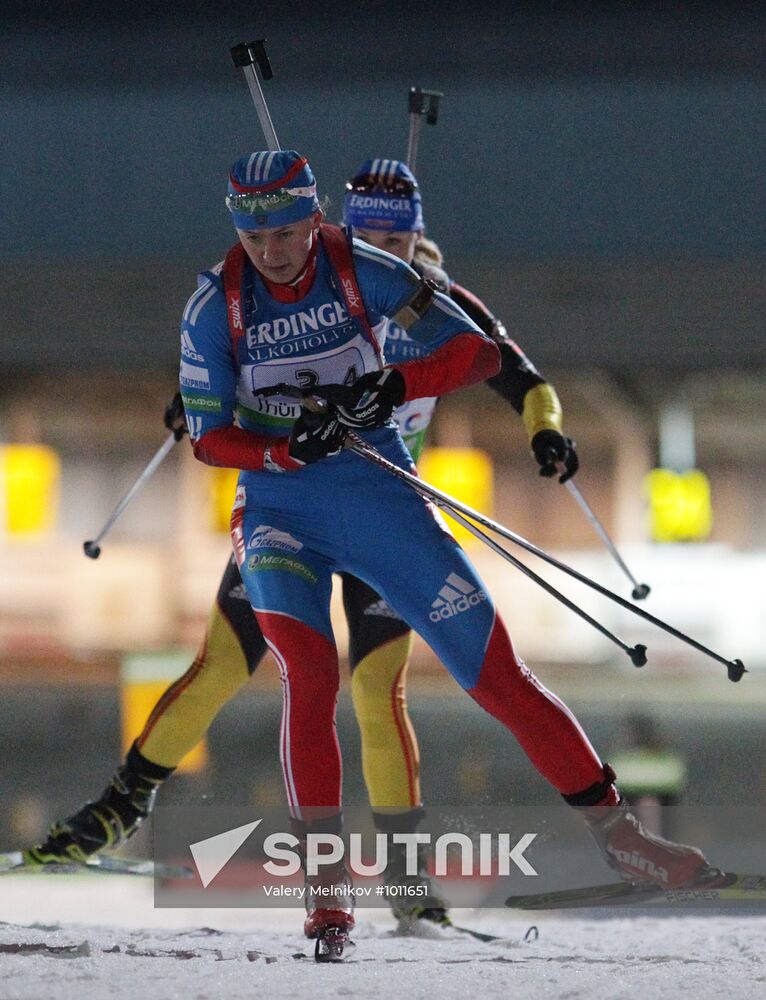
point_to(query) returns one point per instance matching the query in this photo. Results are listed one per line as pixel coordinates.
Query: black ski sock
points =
(403, 822)
(594, 794)
(136, 763)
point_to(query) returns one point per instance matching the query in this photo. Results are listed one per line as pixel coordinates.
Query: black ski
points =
(408, 925)
(18, 862)
(476, 935)
(730, 887)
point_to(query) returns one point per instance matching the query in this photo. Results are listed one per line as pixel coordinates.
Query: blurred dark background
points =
(596, 171)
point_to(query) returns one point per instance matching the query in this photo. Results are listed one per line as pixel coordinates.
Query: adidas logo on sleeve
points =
(457, 595)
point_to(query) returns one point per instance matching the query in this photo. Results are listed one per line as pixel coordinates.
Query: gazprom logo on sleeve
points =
(193, 377)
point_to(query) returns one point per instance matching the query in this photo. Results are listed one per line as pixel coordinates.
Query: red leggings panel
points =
(548, 732)
(309, 751)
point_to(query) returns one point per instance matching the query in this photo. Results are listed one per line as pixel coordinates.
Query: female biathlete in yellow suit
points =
(383, 206)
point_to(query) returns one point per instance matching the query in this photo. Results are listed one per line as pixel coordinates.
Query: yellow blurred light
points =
(680, 508)
(222, 487)
(464, 473)
(29, 482)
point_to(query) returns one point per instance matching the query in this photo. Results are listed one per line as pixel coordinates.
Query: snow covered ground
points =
(93, 938)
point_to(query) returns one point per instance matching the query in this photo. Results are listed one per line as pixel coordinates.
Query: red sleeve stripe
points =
(466, 359)
(235, 448)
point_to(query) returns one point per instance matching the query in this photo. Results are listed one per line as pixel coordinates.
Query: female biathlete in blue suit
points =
(383, 206)
(294, 304)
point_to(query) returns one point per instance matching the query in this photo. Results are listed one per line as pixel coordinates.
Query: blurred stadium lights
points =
(30, 477)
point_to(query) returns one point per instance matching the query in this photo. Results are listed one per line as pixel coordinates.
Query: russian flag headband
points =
(271, 188)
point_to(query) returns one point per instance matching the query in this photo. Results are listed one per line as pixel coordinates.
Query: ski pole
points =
(312, 400)
(637, 653)
(91, 548)
(735, 668)
(426, 102)
(318, 405)
(640, 590)
(419, 103)
(251, 57)
(251, 54)
(248, 56)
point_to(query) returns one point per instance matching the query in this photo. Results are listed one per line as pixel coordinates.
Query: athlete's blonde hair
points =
(427, 252)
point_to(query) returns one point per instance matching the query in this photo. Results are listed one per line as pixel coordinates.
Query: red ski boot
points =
(329, 911)
(643, 857)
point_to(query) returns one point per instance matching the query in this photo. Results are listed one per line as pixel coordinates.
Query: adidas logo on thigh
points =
(457, 595)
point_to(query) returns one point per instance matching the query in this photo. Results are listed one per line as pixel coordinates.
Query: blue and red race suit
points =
(293, 530)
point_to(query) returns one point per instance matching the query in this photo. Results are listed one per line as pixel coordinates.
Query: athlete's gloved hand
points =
(315, 436)
(369, 402)
(175, 417)
(550, 447)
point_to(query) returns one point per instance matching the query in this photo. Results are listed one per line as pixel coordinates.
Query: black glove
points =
(369, 402)
(550, 447)
(175, 417)
(315, 436)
